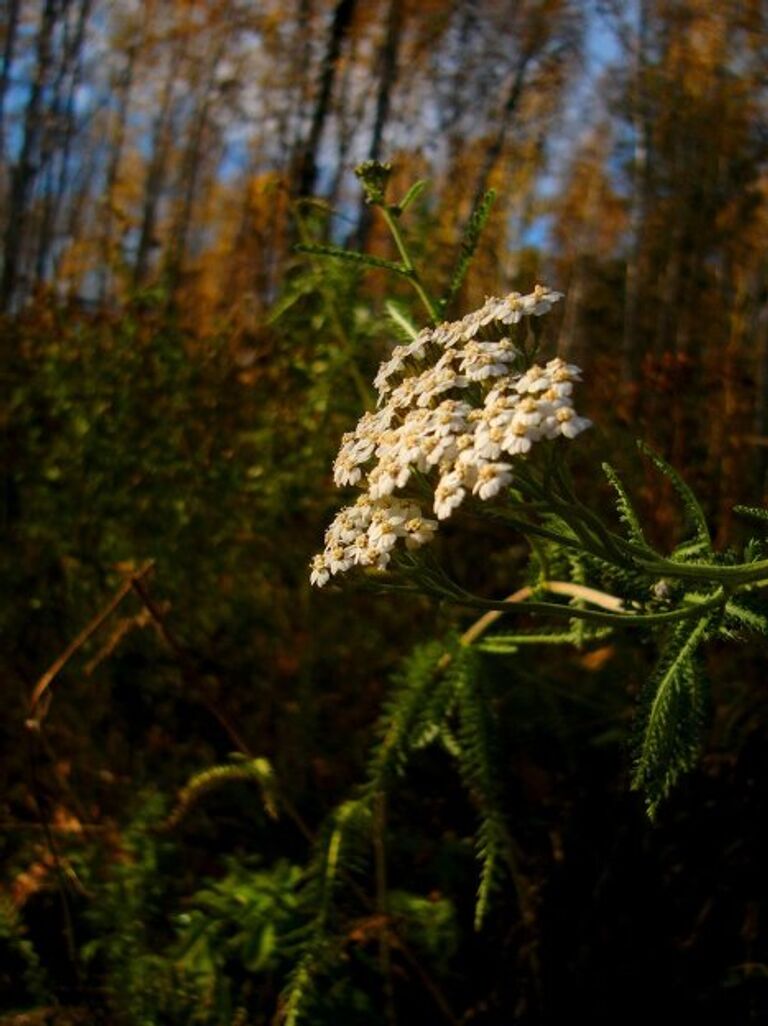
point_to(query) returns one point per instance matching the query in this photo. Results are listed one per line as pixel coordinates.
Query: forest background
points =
(176, 377)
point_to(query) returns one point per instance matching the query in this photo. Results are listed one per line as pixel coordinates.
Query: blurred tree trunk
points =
(27, 166)
(189, 171)
(122, 93)
(495, 148)
(305, 178)
(59, 136)
(639, 206)
(387, 76)
(10, 28)
(157, 167)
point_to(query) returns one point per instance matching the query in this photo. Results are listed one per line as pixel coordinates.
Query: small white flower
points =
(338, 559)
(448, 495)
(419, 531)
(510, 309)
(320, 572)
(386, 477)
(570, 423)
(540, 301)
(533, 381)
(491, 478)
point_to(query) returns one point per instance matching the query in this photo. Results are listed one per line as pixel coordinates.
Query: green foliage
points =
(411, 196)
(400, 320)
(478, 759)
(258, 771)
(250, 918)
(350, 255)
(672, 716)
(695, 516)
(18, 958)
(745, 612)
(337, 852)
(428, 923)
(627, 513)
(421, 694)
(468, 247)
(756, 513)
(126, 920)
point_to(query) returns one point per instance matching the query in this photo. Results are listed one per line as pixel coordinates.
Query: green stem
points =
(411, 273)
(627, 619)
(742, 573)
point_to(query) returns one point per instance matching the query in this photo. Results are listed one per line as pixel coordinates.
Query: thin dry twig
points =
(58, 664)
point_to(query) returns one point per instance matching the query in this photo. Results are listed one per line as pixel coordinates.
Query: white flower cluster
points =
(455, 406)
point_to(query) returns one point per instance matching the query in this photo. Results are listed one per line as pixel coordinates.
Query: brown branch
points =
(57, 666)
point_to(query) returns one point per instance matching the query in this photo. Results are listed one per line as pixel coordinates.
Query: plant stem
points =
(627, 619)
(411, 272)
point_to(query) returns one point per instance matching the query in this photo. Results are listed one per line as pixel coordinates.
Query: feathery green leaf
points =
(757, 513)
(398, 317)
(413, 194)
(626, 511)
(469, 242)
(747, 612)
(671, 722)
(695, 514)
(351, 255)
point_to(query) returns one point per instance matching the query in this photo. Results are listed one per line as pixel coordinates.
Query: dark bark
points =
(9, 47)
(496, 146)
(630, 344)
(387, 75)
(189, 174)
(156, 172)
(123, 100)
(305, 176)
(60, 138)
(27, 167)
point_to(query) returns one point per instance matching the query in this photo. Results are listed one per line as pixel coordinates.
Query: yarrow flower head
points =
(458, 406)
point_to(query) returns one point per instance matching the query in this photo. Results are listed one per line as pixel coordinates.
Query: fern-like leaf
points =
(258, 771)
(670, 724)
(746, 612)
(627, 513)
(477, 758)
(337, 849)
(411, 196)
(401, 320)
(422, 694)
(351, 256)
(694, 513)
(469, 242)
(507, 644)
(756, 513)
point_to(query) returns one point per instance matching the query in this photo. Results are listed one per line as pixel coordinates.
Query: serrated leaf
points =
(413, 194)
(690, 551)
(625, 509)
(398, 317)
(752, 513)
(289, 300)
(695, 514)
(469, 242)
(350, 255)
(505, 644)
(671, 722)
(749, 613)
